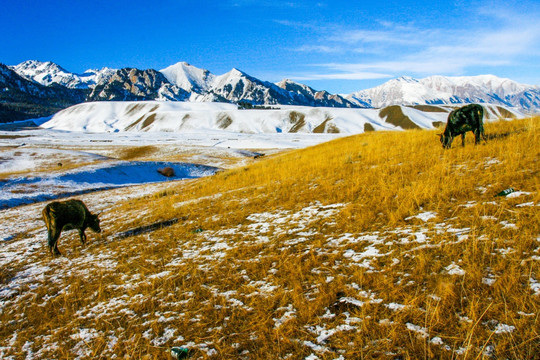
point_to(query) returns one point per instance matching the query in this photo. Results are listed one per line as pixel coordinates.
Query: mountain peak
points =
(233, 76)
(181, 65)
(37, 64)
(47, 73)
(294, 86)
(283, 83)
(237, 72)
(38, 67)
(188, 77)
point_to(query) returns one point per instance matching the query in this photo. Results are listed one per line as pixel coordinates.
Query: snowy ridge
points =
(48, 73)
(314, 96)
(451, 90)
(129, 84)
(185, 117)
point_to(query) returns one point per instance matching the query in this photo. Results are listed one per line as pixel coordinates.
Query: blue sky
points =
(335, 45)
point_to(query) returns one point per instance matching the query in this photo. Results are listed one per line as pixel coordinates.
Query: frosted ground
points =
(36, 154)
(29, 162)
(23, 247)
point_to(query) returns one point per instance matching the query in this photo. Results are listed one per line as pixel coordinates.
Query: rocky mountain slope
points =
(313, 97)
(130, 84)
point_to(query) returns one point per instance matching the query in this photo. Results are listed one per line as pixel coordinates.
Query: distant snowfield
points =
(208, 138)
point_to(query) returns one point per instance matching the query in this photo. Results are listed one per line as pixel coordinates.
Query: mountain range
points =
(441, 90)
(36, 89)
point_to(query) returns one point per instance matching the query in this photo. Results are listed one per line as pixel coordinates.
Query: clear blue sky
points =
(335, 45)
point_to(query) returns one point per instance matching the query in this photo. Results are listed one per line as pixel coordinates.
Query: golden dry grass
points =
(137, 152)
(381, 245)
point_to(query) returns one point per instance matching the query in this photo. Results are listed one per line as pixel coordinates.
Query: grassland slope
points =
(381, 245)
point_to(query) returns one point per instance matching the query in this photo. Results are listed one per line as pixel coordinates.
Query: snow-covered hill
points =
(154, 116)
(451, 90)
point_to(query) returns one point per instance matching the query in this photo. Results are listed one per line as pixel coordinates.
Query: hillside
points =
(185, 117)
(379, 245)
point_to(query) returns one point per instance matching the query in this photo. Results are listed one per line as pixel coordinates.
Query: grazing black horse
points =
(466, 118)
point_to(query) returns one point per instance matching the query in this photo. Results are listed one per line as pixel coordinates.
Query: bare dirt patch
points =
(395, 116)
(297, 120)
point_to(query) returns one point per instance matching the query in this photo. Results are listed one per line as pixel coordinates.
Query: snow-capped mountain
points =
(178, 82)
(130, 84)
(237, 86)
(451, 90)
(189, 78)
(48, 73)
(234, 86)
